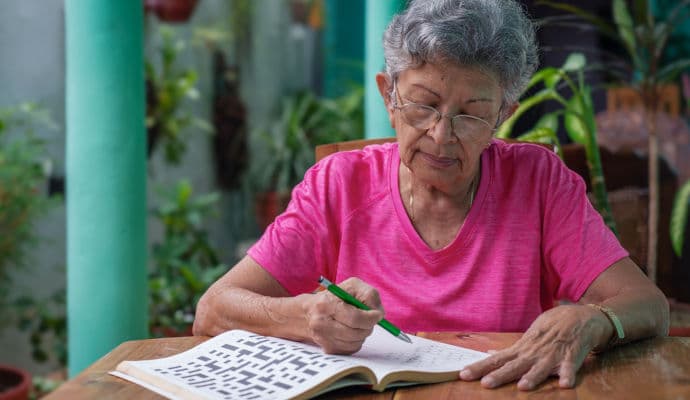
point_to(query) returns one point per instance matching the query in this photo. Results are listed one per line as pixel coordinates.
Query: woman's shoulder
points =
(369, 162)
(349, 180)
(513, 160)
(515, 146)
(524, 153)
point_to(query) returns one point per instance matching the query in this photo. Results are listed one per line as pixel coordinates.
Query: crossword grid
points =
(253, 368)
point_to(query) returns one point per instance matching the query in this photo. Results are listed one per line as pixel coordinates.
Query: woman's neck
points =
(428, 200)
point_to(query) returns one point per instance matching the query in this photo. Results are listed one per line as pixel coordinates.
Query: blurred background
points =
(238, 94)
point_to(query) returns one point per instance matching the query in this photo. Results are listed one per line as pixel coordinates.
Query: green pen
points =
(350, 299)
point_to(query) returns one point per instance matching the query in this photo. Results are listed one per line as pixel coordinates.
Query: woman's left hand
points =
(555, 344)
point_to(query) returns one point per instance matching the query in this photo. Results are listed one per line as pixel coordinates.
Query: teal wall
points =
(378, 16)
(106, 178)
(343, 46)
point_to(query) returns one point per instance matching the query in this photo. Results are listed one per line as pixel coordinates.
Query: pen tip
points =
(402, 336)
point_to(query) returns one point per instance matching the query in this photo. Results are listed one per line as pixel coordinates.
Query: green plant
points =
(168, 87)
(679, 218)
(644, 38)
(46, 322)
(577, 114)
(22, 174)
(287, 145)
(43, 385)
(184, 263)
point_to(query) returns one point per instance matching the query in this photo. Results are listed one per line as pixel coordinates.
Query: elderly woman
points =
(447, 229)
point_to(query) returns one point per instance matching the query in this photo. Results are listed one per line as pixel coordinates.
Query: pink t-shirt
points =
(531, 237)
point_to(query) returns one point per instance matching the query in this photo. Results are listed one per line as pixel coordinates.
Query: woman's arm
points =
(248, 297)
(558, 341)
(639, 305)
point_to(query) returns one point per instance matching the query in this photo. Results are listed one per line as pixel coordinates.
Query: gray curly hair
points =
(495, 36)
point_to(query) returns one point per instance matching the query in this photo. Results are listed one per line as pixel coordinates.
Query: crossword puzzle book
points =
(243, 365)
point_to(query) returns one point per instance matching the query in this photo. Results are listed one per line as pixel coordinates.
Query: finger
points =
(333, 336)
(509, 372)
(333, 345)
(363, 292)
(536, 375)
(566, 374)
(480, 368)
(355, 318)
(336, 338)
(338, 330)
(571, 363)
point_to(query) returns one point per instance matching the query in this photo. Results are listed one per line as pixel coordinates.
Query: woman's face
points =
(447, 152)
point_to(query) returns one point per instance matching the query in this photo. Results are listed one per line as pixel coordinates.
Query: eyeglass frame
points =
(440, 115)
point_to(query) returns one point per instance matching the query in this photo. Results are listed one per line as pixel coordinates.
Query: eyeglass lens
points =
(425, 117)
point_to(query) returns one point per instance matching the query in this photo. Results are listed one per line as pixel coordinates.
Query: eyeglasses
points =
(424, 117)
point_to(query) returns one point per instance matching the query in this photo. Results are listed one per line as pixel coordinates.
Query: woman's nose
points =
(442, 131)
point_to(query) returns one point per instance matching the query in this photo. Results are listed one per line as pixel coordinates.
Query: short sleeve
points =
(297, 247)
(577, 244)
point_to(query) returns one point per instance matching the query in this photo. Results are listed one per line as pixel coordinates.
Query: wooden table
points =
(650, 369)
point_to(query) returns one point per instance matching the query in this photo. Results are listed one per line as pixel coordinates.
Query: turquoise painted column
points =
(378, 15)
(106, 178)
(343, 46)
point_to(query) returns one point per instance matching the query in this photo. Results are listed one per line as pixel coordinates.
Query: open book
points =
(243, 365)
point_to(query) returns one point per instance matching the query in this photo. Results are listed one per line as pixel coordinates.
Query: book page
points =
(239, 365)
(385, 354)
(242, 365)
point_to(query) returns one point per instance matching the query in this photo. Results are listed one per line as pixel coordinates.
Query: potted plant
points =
(45, 322)
(184, 263)
(14, 383)
(576, 115)
(286, 147)
(171, 10)
(167, 89)
(643, 37)
(22, 174)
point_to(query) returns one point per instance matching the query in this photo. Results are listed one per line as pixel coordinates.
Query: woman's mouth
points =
(438, 162)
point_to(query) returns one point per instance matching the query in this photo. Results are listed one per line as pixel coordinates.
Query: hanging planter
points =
(171, 10)
(14, 383)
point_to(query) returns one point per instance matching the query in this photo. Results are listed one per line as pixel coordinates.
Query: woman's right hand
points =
(338, 327)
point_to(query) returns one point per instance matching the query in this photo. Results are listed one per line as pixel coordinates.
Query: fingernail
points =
(488, 382)
(565, 382)
(524, 384)
(465, 374)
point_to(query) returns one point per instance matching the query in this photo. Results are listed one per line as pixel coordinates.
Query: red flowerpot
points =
(171, 10)
(269, 205)
(14, 383)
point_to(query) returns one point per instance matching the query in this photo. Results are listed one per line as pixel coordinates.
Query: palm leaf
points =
(574, 62)
(506, 128)
(677, 15)
(600, 52)
(603, 25)
(549, 75)
(640, 11)
(574, 120)
(548, 121)
(624, 23)
(679, 217)
(671, 71)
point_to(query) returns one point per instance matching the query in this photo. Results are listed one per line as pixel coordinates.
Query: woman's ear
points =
(384, 84)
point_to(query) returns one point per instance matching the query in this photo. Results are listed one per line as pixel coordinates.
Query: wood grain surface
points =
(650, 369)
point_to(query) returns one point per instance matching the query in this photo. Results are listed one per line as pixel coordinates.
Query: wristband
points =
(613, 318)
